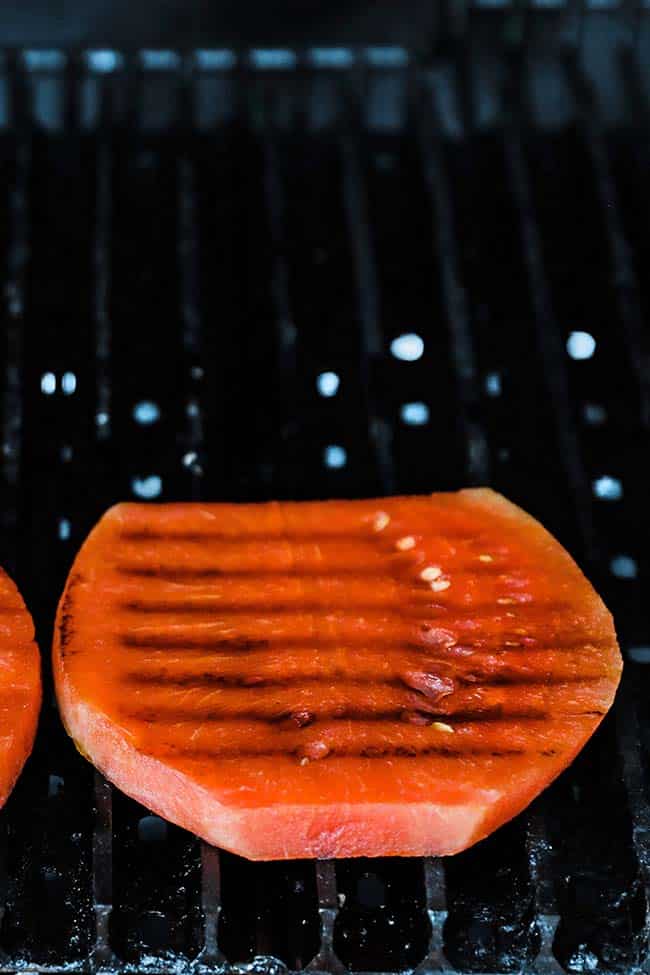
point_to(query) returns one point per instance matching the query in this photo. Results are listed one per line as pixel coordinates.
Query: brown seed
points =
(302, 718)
(432, 686)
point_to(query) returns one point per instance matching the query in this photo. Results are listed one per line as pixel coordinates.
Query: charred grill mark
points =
(369, 752)
(177, 573)
(162, 642)
(208, 679)
(362, 534)
(66, 627)
(171, 716)
(216, 645)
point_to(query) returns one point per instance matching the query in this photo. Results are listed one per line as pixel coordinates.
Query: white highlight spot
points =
(431, 573)
(48, 383)
(64, 529)
(68, 383)
(608, 488)
(190, 458)
(380, 521)
(406, 543)
(493, 384)
(439, 585)
(335, 456)
(623, 567)
(146, 412)
(640, 655)
(147, 487)
(102, 419)
(485, 558)
(581, 345)
(595, 414)
(327, 383)
(408, 347)
(103, 60)
(414, 414)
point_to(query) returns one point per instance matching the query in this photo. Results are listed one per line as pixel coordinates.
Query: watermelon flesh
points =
(20, 685)
(331, 679)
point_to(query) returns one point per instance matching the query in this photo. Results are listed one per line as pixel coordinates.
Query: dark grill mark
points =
(176, 573)
(66, 628)
(370, 752)
(208, 679)
(161, 716)
(162, 642)
(362, 534)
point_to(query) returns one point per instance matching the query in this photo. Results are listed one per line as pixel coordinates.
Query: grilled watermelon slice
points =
(20, 685)
(345, 678)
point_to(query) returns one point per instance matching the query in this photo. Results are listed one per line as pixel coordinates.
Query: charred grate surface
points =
(300, 275)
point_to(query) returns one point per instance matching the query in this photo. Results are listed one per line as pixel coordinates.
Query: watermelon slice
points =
(345, 678)
(20, 685)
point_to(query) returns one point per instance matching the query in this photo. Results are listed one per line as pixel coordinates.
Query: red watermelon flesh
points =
(346, 678)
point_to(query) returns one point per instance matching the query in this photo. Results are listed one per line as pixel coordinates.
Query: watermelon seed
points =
(406, 543)
(439, 585)
(441, 726)
(485, 558)
(430, 573)
(381, 521)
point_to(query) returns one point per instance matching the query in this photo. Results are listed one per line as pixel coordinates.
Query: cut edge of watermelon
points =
(293, 831)
(308, 831)
(26, 723)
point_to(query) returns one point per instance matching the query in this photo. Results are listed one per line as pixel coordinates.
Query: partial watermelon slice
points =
(328, 679)
(20, 685)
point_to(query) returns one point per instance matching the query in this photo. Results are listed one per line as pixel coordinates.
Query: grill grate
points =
(338, 285)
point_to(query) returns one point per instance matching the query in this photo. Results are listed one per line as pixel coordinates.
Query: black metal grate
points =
(175, 282)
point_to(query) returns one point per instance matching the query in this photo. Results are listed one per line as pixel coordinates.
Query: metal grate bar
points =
(14, 304)
(623, 275)
(547, 330)
(355, 198)
(435, 890)
(455, 298)
(547, 915)
(276, 206)
(102, 954)
(210, 954)
(629, 741)
(102, 268)
(190, 312)
(326, 960)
